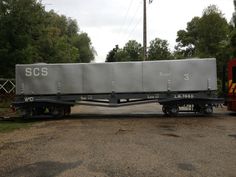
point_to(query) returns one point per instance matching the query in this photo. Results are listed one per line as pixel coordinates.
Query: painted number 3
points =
(187, 77)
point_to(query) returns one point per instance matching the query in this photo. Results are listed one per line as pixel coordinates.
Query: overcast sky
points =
(111, 22)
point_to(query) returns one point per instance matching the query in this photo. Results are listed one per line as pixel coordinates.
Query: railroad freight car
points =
(54, 88)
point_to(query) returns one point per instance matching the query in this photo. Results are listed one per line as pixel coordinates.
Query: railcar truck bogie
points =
(54, 88)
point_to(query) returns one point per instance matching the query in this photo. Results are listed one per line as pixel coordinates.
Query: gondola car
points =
(54, 88)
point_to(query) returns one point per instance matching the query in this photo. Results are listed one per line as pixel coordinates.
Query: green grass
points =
(13, 124)
(3, 111)
(5, 103)
(8, 126)
(7, 112)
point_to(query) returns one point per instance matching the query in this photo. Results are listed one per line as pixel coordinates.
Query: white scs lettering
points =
(36, 72)
(28, 72)
(44, 72)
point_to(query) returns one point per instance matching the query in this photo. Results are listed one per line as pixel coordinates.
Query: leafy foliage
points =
(234, 15)
(206, 36)
(233, 42)
(159, 50)
(187, 40)
(111, 56)
(133, 51)
(233, 32)
(29, 34)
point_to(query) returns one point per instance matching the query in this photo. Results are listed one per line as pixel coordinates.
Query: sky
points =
(112, 22)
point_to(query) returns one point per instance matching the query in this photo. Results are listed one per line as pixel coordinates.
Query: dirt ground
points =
(136, 141)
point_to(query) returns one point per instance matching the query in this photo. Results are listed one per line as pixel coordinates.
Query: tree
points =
(111, 55)
(62, 42)
(204, 36)
(158, 50)
(132, 51)
(233, 43)
(121, 56)
(188, 40)
(17, 30)
(83, 43)
(72, 27)
(213, 32)
(234, 15)
(29, 34)
(233, 32)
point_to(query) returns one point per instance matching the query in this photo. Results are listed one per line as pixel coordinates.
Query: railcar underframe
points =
(172, 102)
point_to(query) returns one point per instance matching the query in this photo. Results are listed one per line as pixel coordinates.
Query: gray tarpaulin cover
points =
(125, 77)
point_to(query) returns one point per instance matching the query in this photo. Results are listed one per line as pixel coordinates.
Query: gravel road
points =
(136, 141)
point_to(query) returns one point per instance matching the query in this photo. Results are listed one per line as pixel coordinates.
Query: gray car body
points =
(185, 75)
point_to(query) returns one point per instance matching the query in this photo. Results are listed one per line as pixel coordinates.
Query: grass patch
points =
(5, 103)
(5, 109)
(2, 110)
(7, 112)
(8, 126)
